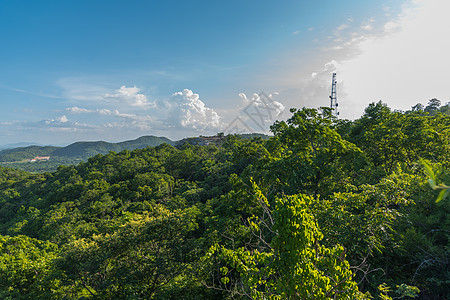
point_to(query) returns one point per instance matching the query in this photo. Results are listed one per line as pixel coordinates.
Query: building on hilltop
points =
(40, 158)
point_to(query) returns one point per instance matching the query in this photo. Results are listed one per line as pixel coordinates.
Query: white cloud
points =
(131, 96)
(102, 111)
(107, 112)
(186, 109)
(78, 110)
(76, 90)
(58, 120)
(62, 119)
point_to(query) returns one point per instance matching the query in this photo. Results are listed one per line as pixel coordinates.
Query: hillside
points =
(26, 153)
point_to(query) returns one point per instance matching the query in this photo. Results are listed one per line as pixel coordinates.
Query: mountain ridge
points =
(82, 150)
(85, 150)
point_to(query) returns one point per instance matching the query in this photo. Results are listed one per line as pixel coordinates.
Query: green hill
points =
(22, 153)
(85, 150)
(144, 141)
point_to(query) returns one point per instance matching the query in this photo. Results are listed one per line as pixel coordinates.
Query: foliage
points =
(25, 268)
(142, 256)
(42, 166)
(295, 265)
(444, 189)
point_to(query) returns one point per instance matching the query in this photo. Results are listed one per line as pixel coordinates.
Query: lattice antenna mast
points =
(333, 97)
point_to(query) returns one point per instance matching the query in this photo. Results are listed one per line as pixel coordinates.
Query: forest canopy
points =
(324, 209)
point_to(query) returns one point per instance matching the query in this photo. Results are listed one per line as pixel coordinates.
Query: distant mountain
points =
(83, 150)
(145, 141)
(22, 153)
(79, 150)
(88, 149)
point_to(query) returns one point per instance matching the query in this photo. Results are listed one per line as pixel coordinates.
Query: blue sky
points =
(116, 70)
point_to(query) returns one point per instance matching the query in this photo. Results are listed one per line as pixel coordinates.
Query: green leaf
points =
(442, 195)
(428, 169)
(225, 280)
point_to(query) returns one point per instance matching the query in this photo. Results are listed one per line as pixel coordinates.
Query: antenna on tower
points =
(333, 98)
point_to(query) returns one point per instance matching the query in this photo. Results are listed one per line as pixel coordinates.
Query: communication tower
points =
(333, 98)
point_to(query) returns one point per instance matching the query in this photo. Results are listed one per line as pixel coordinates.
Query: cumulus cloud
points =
(131, 96)
(187, 110)
(78, 110)
(58, 120)
(62, 119)
(90, 90)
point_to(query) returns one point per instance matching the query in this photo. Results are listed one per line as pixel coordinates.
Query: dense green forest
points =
(324, 209)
